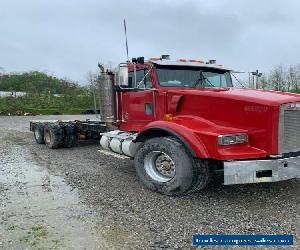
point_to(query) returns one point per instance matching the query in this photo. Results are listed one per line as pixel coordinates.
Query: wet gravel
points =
(128, 216)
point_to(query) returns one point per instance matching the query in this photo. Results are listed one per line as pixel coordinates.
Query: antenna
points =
(126, 40)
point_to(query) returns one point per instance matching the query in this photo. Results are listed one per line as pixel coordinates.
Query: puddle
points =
(39, 210)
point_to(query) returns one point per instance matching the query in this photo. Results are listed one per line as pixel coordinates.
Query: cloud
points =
(68, 38)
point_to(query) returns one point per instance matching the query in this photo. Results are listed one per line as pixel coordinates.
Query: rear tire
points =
(53, 136)
(38, 133)
(163, 165)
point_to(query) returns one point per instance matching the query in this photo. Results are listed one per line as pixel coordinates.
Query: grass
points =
(39, 231)
(72, 104)
(113, 233)
(12, 227)
(34, 235)
(37, 237)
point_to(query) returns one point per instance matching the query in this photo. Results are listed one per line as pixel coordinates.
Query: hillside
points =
(44, 94)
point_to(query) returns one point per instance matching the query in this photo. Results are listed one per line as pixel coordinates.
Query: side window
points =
(139, 77)
(130, 80)
(146, 82)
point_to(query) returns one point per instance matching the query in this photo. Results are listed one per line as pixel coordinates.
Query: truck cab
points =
(146, 96)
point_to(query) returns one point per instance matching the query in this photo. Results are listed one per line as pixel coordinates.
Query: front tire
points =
(163, 165)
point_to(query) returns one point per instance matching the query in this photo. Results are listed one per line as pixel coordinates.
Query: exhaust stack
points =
(107, 96)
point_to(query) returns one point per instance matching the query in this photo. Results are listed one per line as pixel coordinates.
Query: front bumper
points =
(254, 171)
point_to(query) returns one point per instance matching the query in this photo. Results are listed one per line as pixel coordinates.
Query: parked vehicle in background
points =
(12, 94)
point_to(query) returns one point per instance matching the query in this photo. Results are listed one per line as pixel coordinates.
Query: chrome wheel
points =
(159, 166)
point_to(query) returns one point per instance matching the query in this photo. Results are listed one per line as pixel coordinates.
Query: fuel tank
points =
(120, 142)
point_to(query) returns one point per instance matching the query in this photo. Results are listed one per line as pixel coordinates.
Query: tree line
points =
(282, 78)
(35, 82)
(45, 94)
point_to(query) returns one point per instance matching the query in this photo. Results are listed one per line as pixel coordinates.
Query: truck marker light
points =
(197, 61)
(168, 117)
(154, 59)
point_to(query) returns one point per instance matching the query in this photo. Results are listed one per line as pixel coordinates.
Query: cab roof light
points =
(197, 61)
(154, 59)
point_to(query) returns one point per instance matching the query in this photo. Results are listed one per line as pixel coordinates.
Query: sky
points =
(68, 38)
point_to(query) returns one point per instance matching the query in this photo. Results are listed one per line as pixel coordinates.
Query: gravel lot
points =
(79, 198)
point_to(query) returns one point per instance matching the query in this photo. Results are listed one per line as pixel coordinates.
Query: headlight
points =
(232, 139)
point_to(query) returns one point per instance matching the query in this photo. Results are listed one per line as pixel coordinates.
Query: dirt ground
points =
(79, 198)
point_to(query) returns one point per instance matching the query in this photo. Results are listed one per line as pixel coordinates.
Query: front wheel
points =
(163, 165)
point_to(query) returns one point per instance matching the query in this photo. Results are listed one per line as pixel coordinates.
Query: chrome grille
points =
(289, 128)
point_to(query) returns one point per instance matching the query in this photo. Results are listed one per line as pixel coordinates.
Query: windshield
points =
(174, 76)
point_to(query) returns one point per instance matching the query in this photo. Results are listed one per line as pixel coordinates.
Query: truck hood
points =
(255, 111)
(263, 97)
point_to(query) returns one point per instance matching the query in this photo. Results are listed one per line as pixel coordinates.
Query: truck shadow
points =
(255, 197)
(85, 143)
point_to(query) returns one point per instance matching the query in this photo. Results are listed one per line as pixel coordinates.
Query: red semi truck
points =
(183, 122)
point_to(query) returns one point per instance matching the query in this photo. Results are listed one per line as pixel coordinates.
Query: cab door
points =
(138, 104)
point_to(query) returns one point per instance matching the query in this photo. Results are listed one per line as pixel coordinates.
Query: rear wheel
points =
(38, 132)
(53, 136)
(164, 166)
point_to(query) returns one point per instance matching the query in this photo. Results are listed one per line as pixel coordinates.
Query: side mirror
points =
(123, 75)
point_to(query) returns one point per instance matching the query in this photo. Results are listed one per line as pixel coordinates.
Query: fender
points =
(199, 136)
(189, 139)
